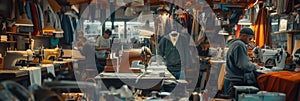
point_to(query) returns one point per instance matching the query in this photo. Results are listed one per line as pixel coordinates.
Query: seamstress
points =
(238, 65)
(86, 67)
(102, 48)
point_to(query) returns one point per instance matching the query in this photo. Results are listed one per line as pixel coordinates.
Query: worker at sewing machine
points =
(102, 47)
(240, 71)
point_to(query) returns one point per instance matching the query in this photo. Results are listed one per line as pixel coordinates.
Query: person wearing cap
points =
(238, 63)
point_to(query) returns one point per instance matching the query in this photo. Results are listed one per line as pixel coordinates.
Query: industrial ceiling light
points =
(244, 21)
(223, 32)
(146, 30)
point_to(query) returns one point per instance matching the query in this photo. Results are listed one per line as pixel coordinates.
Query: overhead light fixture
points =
(244, 21)
(24, 21)
(146, 30)
(223, 32)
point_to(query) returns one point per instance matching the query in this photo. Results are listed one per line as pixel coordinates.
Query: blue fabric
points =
(54, 41)
(226, 86)
(28, 10)
(68, 30)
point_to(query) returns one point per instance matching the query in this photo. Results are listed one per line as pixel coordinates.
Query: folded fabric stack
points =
(3, 38)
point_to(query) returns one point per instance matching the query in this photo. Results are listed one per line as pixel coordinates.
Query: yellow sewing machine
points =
(51, 55)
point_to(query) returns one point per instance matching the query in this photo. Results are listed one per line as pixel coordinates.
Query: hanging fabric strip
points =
(260, 28)
(28, 10)
(41, 16)
(112, 11)
(35, 20)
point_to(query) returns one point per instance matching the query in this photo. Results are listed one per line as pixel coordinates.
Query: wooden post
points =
(289, 43)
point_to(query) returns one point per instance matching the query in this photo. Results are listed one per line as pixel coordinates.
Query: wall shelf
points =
(7, 41)
(288, 32)
(14, 33)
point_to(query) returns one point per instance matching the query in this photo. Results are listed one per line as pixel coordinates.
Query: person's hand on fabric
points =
(258, 65)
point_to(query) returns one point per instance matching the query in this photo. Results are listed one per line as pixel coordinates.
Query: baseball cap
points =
(248, 31)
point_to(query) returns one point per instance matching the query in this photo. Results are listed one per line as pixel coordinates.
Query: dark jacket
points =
(177, 57)
(237, 61)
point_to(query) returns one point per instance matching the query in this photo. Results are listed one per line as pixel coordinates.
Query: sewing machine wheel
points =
(270, 62)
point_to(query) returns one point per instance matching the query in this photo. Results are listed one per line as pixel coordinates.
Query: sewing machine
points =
(52, 54)
(272, 58)
(297, 57)
(15, 60)
(129, 56)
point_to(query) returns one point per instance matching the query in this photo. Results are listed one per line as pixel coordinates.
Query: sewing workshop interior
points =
(149, 50)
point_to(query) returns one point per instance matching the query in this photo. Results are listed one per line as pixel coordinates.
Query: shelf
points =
(46, 36)
(288, 32)
(7, 41)
(25, 34)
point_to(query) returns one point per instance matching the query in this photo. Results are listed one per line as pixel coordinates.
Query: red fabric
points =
(35, 19)
(284, 82)
(237, 33)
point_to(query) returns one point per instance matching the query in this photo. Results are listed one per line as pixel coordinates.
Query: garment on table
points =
(237, 61)
(176, 56)
(284, 82)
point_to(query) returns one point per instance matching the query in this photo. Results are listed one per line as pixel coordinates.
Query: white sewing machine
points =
(296, 58)
(16, 59)
(272, 58)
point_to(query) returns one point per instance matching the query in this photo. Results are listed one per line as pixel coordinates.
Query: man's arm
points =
(242, 59)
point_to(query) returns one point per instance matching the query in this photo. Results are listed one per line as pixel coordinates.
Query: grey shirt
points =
(102, 43)
(237, 61)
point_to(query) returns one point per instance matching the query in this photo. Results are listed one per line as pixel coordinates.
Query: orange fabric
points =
(284, 82)
(260, 28)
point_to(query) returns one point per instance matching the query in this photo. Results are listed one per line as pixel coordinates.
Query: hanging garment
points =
(67, 26)
(35, 20)
(40, 17)
(260, 28)
(237, 32)
(176, 56)
(112, 16)
(28, 10)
